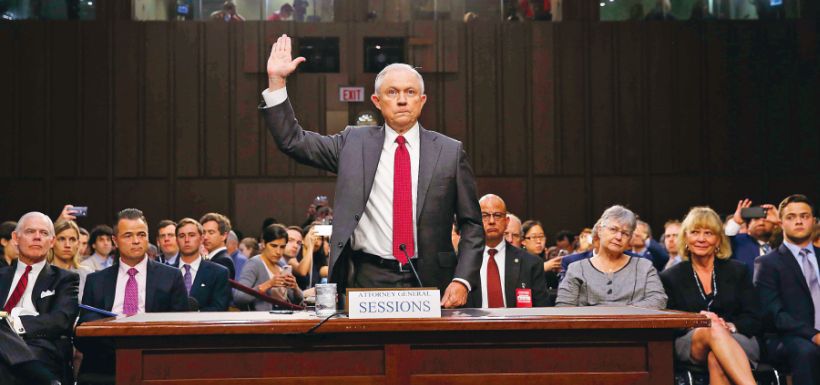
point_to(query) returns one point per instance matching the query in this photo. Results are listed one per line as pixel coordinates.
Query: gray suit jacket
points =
(446, 187)
(254, 274)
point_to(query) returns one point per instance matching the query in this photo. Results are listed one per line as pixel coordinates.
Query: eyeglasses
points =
(536, 237)
(496, 216)
(613, 230)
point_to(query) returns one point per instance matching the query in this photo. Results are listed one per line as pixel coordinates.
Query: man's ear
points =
(375, 99)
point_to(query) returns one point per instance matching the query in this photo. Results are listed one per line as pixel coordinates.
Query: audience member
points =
(100, 240)
(9, 249)
(41, 299)
(611, 277)
(65, 253)
(124, 288)
(644, 246)
(707, 281)
(512, 235)
(249, 247)
(285, 12)
(564, 244)
(264, 274)
(167, 241)
(534, 242)
(758, 241)
(84, 251)
(671, 229)
(205, 281)
(306, 261)
(238, 259)
(227, 13)
(217, 227)
(505, 270)
(788, 283)
(584, 242)
(310, 217)
(730, 218)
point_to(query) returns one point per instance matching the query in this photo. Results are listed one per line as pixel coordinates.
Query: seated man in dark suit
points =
(133, 285)
(17, 362)
(216, 228)
(643, 245)
(41, 299)
(757, 241)
(206, 282)
(505, 269)
(788, 282)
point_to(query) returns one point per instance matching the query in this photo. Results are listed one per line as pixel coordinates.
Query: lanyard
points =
(703, 293)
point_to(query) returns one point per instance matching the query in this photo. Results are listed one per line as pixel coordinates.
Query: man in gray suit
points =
(397, 190)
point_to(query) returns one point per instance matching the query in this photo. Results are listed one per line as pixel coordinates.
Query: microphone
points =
(403, 249)
(193, 304)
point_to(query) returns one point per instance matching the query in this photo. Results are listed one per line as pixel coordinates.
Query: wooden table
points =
(616, 345)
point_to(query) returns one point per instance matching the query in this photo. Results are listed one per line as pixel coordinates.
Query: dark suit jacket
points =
(736, 300)
(745, 249)
(445, 187)
(784, 293)
(57, 312)
(210, 287)
(521, 269)
(220, 258)
(658, 255)
(164, 292)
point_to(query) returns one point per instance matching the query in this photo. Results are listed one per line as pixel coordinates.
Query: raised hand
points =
(772, 215)
(742, 204)
(281, 62)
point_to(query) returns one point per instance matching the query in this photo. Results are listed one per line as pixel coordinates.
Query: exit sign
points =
(351, 94)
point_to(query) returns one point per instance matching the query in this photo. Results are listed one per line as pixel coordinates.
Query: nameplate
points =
(422, 302)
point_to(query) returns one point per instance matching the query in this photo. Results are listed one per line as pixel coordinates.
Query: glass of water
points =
(325, 299)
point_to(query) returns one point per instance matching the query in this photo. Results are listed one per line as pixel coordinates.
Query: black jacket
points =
(520, 269)
(735, 302)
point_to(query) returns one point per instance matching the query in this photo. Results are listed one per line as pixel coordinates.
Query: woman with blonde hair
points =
(65, 253)
(707, 281)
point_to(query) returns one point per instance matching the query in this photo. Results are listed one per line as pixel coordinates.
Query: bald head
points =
(494, 217)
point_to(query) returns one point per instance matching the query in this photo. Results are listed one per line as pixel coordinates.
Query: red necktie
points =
(495, 298)
(402, 203)
(18, 291)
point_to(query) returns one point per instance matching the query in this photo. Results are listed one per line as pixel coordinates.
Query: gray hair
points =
(513, 217)
(232, 236)
(397, 66)
(31, 215)
(619, 214)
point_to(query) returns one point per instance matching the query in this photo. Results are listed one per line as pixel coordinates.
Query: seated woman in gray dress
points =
(707, 281)
(610, 277)
(264, 274)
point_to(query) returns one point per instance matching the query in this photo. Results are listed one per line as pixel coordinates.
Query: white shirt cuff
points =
(275, 97)
(732, 228)
(465, 283)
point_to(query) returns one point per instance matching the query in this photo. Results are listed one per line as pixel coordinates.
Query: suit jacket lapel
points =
(428, 157)
(200, 276)
(371, 152)
(512, 273)
(109, 286)
(149, 288)
(792, 264)
(5, 282)
(42, 282)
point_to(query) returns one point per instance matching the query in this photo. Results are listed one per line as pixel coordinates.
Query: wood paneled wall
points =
(560, 119)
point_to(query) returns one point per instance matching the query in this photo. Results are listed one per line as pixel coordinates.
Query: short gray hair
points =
(619, 214)
(34, 214)
(396, 66)
(232, 236)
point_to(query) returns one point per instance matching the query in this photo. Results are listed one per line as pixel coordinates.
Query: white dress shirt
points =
(122, 279)
(26, 301)
(194, 268)
(499, 260)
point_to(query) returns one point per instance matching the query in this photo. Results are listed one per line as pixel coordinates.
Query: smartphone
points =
(323, 230)
(287, 270)
(79, 211)
(281, 311)
(753, 212)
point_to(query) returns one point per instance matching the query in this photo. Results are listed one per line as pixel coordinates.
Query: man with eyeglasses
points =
(512, 234)
(510, 277)
(398, 187)
(167, 241)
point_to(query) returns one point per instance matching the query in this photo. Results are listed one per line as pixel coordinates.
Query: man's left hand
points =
(454, 296)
